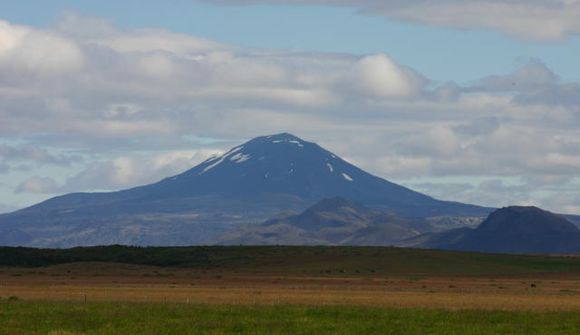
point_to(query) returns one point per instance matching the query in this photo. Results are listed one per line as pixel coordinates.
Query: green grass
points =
(62, 318)
(301, 260)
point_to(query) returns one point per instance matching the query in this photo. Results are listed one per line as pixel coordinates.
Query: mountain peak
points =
(277, 138)
(284, 137)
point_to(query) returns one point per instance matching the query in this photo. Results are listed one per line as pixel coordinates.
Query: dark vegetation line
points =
(296, 259)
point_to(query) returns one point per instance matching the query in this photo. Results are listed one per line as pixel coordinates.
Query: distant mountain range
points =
(521, 230)
(280, 189)
(338, 221)
(245, 186)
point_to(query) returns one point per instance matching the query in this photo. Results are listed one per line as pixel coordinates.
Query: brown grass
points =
(115, 282)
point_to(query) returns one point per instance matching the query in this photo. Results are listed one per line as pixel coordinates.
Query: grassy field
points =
(304, 290)
(133, 318)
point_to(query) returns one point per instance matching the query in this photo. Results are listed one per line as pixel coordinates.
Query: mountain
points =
(247, 185)
(520, 230)
(332, 221)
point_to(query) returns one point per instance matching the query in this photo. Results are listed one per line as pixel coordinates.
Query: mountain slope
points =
(513, 230)
(332, 221)
(248, 184)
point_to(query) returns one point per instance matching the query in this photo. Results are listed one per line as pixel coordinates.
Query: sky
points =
(475, 101)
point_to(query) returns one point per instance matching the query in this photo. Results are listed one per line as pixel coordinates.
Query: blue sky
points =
(460, 100)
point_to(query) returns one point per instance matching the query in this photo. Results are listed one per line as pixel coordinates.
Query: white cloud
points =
(378, 76)
(543, 20)
(167, 81)
(30, 51)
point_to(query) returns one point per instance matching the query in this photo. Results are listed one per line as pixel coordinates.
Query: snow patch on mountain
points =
(221, 159)
(330, 167)
(298, 143)
(347, 177)
(240, 157)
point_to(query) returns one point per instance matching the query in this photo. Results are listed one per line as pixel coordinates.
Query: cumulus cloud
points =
(24, 50)
(543, 20)
(379, 76)
(135, 83)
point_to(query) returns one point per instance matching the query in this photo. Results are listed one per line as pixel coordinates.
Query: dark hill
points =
(332, 221)
(514, 230)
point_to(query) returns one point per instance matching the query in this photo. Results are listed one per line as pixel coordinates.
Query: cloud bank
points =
(118, 108)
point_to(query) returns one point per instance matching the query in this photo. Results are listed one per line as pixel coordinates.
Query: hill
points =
(512, 230)
(332, 221)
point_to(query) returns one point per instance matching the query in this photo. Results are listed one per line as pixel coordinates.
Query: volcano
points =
(247, 185)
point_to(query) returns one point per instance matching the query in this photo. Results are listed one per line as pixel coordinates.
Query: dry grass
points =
(311, 297)
(130, 283)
